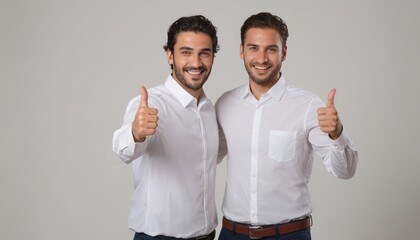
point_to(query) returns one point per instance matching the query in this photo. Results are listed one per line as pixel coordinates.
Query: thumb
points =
(144, 97)
(331, 96)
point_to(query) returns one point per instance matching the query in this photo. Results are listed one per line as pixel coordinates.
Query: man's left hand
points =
(328, 119)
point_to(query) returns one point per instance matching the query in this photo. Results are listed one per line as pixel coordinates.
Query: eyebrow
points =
(206, 50)
(256, 45)
(191, 49)
(186, 48)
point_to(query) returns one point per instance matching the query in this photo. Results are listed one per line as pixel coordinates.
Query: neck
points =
(258, 89)
(196, 93)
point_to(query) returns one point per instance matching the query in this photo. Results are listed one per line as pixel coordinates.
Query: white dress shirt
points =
(269, 145)
(174, 170)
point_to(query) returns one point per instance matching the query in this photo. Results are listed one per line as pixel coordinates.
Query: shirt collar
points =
(275, 92)
(183, 96)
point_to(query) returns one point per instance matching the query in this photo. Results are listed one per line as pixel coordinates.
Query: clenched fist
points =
(145, 121)
(328, 119)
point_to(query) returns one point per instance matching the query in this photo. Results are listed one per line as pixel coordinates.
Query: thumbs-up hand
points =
(145, 121)
(328, 119)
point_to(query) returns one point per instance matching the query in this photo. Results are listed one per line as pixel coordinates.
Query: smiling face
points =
(192, 60)
(263, 54)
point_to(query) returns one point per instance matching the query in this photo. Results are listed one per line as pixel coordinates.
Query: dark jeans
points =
(143, 236)
(300, 235)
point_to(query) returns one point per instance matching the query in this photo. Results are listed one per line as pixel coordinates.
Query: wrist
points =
(337, 133)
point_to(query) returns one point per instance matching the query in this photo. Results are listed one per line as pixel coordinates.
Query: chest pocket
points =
(282, 145)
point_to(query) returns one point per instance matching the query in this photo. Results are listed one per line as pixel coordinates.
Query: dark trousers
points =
(300, 235)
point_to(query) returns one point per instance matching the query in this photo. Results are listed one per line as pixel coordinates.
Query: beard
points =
(196, 83)
(273, 76)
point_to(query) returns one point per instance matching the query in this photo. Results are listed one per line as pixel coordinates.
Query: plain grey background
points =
(69, 68)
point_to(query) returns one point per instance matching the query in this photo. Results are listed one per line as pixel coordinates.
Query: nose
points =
(195, 61)
(262, 57)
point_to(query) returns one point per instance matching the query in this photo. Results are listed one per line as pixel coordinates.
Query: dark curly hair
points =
(197, 23)
(265, 20)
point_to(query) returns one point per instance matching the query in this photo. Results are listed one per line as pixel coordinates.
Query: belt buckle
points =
(251, 229)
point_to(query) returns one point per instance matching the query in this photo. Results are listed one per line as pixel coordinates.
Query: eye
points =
(205, 54)
(272, 50)
(186, 53)
(252, 48)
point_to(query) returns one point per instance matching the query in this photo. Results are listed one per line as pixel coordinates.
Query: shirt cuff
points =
(341, 142)
(132, 145)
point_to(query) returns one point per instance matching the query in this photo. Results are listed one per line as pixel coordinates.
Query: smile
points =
(195, 72)
(261, 67)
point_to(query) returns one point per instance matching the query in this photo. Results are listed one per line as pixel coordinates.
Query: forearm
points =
(341, 160)
(124, 145)
(123, 141)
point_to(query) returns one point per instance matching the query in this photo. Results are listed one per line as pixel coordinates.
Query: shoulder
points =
(231, 94)
(156, 96)
(301, 94)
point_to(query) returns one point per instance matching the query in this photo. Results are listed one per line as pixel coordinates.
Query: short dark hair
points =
(265, 20)
(197, 23)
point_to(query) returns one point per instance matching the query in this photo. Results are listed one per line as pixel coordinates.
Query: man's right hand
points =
(145, 122)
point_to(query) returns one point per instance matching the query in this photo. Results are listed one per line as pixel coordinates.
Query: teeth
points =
(261, 67)
(194, 72)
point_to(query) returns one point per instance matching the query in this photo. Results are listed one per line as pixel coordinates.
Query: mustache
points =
(201, 68)
(263, 64)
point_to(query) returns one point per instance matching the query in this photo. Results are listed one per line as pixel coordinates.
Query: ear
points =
(241, 51)
(170, 57)
(284, 53)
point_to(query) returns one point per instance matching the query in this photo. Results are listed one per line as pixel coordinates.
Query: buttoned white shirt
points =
(174, 169)
(269, 145)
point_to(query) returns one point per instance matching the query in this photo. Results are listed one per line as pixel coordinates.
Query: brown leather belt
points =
(206, 237)
(256, 232)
